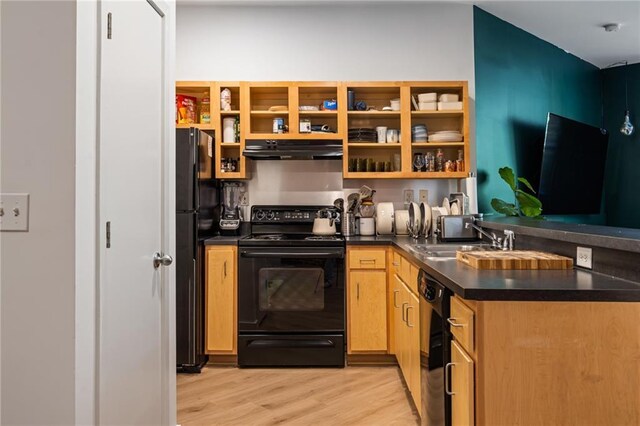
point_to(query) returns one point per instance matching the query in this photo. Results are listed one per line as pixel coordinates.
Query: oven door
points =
(291, 290)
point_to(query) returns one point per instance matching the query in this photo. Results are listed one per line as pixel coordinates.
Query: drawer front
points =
(461, 322)
(367, 259)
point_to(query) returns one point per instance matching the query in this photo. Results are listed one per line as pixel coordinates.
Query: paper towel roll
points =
(471, 189)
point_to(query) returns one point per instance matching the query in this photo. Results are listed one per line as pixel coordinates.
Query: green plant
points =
(524, 204)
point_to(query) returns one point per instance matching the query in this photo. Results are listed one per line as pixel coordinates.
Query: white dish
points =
(384, 218)
(425, 209)
(449, 97)
(449, 106)
(428, 97)
(415, 218)
(401, 219)
(455, 210)
(446, 205)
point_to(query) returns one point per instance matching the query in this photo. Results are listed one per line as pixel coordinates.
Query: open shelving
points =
(251, 103)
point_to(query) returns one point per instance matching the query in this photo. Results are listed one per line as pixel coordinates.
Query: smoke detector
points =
(611, 27)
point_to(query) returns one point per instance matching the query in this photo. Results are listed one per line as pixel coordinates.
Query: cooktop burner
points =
(269, 237)
(323, 238)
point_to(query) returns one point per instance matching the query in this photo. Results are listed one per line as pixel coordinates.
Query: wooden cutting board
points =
(516, 259)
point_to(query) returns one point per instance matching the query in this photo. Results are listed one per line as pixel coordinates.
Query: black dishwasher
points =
(435, 350)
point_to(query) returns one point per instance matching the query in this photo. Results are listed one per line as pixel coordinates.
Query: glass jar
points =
(460, 161)
(439, 160)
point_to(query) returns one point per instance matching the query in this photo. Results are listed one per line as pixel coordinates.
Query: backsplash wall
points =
(320, 182)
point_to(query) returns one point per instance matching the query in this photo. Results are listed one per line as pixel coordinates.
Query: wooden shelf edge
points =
(374, 145)
(436, 144)
(196, 125)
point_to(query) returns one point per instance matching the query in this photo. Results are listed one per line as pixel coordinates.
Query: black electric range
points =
(291, 293)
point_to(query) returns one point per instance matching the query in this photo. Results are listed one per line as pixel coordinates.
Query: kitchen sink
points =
(445, 251)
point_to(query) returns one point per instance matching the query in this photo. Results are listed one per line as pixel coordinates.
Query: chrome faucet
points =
(496, 242)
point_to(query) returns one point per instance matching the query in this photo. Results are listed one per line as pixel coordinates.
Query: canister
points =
(278, 125)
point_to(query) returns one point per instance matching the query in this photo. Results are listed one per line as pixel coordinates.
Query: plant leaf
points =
(507, 175)
(530, 205)
(526, 183)
(503, 207)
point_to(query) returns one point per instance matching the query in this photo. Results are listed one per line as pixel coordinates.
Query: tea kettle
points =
(324, 224)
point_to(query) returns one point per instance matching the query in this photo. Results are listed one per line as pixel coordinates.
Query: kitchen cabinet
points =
(221, 300)
(252, 103)
(404, 314)
(367, 311)
(367, 300)
(461, 373)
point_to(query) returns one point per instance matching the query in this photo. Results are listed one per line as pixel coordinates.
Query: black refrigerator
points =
(196, 201)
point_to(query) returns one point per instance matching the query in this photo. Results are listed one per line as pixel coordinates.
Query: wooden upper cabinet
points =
(221, 299)
(367, 311)
(257, 104)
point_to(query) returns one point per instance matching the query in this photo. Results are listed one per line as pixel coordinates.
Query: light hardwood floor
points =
(349, 396)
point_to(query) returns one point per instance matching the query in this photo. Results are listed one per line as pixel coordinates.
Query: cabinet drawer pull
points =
(225, 269)
(446, 379)
(404, 312)
(408, 323)
(367, 261)
(357, 291)
(395, 299)
(396, 264)
(454, 324)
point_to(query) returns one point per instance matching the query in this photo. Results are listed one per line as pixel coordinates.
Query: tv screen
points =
(573, 161)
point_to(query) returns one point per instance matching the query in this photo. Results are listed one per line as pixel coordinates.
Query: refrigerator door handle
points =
(196, 168)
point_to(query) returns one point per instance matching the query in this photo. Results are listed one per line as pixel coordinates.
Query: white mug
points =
(392, 136)
(382, 134)
(367, 226)
(395, 104)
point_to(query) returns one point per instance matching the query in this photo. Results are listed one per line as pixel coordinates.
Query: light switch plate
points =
(424, 196)
(584, 257)
(14, 212)
(408, 196)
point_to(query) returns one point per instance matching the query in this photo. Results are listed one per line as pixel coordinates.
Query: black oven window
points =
(291, 289)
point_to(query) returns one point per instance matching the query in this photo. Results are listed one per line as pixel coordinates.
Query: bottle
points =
(460, 161)
(205, 110)
(439, 160)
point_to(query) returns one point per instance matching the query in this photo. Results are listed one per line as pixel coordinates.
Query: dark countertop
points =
(626, 239)
(534, 285)
(223, 240)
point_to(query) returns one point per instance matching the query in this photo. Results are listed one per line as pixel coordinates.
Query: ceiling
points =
(575, 26)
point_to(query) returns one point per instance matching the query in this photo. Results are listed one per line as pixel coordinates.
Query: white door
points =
(132, 370)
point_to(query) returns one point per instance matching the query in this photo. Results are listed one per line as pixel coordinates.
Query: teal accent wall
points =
(519, 79)
(622, 178)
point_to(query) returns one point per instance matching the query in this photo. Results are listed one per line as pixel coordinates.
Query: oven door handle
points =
(293, 254)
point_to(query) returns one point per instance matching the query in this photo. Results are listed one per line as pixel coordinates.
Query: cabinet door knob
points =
(160, 259)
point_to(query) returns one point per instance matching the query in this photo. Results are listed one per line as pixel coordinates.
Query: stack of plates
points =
(419, 133)
(446, 136)
(363, 135)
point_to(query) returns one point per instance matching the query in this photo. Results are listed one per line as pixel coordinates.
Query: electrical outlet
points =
(424, 196)
(244, 199)
(583, 257)
(408, 196)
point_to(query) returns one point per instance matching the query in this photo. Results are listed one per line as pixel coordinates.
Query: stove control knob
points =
(259, 215)
(270, 215)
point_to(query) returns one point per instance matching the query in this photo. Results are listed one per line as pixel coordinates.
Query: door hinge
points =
(108, 234)
(109, 25)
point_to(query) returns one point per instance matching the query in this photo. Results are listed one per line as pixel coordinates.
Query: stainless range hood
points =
(289, 149)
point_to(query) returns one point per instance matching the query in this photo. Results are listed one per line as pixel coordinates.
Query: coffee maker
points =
(231, 214)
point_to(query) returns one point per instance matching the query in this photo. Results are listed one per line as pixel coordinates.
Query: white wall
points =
(38, 156)
(334, 42)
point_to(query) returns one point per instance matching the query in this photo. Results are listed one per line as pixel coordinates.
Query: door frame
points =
(90, 27)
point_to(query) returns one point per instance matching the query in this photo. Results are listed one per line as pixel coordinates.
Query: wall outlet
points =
(408, 196)
(583, 257)
(424, 196)
(244, 199)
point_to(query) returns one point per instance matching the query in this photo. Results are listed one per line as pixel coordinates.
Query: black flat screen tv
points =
(573, 164)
